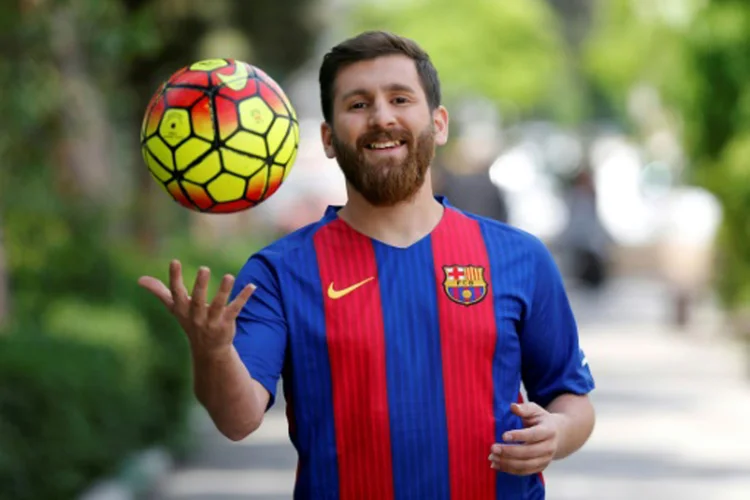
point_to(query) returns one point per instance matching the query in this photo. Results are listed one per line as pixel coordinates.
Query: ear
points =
(326, 135)
(440, 121)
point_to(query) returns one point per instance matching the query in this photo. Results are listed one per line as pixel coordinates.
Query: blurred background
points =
(618, 131)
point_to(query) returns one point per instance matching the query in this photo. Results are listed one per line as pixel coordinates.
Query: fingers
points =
(234, 308)
(176, 298)
(179, 292)
(198, 303)
(526, 451)
(522, 459)
(157, 288)
(544, 449)
(526, 410)
(222, 296)
(518, 466)
(529, 435)
(219, 310)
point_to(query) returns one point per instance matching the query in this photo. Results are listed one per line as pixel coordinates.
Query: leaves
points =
(510, 52)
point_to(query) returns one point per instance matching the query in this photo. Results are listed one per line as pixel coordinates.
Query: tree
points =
(88, 68)
(76, 77)
(509, 52)
(275, 35)
(635, 43)
(696, 54)
(718, 134)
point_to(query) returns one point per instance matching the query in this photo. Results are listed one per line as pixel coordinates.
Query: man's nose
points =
(382, 115)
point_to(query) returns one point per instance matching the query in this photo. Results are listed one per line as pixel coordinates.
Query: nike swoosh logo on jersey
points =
(337, 294)
(237, 80)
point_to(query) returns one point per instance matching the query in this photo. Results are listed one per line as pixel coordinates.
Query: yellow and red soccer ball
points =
(220, 136)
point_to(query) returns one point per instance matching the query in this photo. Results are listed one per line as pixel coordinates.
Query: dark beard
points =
(389, 181)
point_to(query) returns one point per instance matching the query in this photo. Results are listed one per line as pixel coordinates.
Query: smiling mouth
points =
(376, 146)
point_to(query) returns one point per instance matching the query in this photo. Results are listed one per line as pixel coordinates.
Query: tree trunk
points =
(145, 220)
(86, 162)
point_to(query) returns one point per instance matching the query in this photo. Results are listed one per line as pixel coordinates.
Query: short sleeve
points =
(553, 362)
(261, 335)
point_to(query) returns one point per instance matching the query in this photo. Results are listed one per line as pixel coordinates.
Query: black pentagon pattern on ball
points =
(197, 122)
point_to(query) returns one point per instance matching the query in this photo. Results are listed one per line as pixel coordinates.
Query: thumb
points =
(157, 288)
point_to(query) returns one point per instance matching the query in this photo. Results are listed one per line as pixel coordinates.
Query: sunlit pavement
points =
(673, 418)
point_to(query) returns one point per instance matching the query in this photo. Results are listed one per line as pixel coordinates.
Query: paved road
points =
(673, 414)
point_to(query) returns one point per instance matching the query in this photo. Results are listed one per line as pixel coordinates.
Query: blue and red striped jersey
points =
(399, 365)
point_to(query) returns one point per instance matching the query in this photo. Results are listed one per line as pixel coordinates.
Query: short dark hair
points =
(371, 45)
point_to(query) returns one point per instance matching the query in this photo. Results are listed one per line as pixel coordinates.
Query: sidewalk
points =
(673, 420)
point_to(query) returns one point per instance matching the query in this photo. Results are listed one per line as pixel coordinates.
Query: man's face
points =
(383, 134)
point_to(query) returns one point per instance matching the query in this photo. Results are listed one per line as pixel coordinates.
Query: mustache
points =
(383, 135)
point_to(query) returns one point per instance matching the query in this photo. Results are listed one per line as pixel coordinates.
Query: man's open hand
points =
(209, 326)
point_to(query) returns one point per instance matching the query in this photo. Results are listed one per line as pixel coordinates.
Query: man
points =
(471, 190)
(403, 327)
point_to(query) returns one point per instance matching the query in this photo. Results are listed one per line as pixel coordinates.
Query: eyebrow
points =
(393, 87)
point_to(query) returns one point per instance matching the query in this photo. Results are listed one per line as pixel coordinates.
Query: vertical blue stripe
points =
(419, 439)
(312, 385)
(511, 274)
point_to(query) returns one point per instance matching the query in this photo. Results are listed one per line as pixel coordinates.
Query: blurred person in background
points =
(403, 326)
(471, 190)
(584, 241)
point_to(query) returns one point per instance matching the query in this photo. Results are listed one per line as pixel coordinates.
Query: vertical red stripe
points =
(356, 348)
(468, 337)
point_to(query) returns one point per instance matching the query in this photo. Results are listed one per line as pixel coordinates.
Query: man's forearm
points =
(232, 398)
(575, 415)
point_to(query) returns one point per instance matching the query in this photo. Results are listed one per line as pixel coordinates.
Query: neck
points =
(399, 225)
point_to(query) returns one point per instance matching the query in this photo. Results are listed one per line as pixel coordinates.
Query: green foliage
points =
(281, 32)
(67, 250)
(68, 415)
(717, 117)
(117, 328)
(719, 107)
(697, 54)
(729, 178)
(510, 52)
(93, 368)
(639, 42)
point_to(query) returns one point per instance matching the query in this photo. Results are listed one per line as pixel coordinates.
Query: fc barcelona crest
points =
(465, 284)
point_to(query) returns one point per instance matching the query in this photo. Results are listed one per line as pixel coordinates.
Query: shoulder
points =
(287, 250)
(522, 257)
(503, 237)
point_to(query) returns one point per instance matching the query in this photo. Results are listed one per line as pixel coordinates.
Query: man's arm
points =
(234, 400)
(221, 376)
(549, 434)
(238, 385)
(559, 418)
(575, 417)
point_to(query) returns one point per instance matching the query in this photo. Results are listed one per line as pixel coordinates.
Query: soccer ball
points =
(220, 136)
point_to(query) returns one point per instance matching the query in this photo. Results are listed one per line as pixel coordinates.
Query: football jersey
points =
(399, 365)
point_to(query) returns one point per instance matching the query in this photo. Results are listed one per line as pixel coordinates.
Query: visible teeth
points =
(384, 145)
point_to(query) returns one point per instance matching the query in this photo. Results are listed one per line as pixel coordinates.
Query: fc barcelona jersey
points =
(399, 365)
